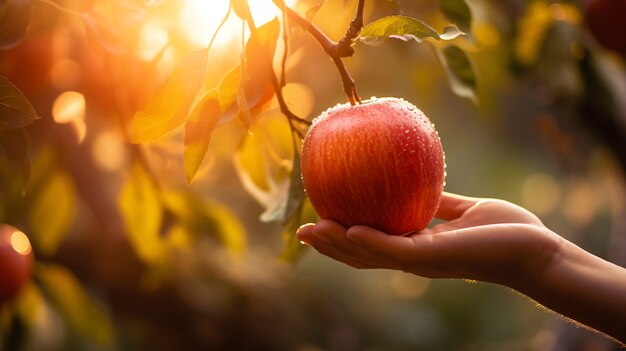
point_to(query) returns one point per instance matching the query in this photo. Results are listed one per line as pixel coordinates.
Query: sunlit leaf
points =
(257, 69)
(314, 9)
(459, 71)
(169, 107)
(228, 226)
(245, 116)
(29, 302)
(198, 216)
(15, 110)
(14, 20)
(198, 130)
(263, 163)
(399, 27)
(14, 149)
(82, 313)
(458, 12)
(241, 8)
(53, 212)
(141, 210)
(228, 87)
(532, 29)
(451, 32)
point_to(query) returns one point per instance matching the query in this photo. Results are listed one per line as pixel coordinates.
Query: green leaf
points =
(397, 27)
(451, 32)
(53, 212)
(296, 190)
(458, 12)
(81, 312)
(14, 20)
(459, 71)
(198, 130)
(170, 106)
(141, 209)
(15, 110)
(293, 248)
(14, 150)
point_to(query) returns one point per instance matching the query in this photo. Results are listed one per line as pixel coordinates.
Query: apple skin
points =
(15, 267)
(379, 163)
(605, 20)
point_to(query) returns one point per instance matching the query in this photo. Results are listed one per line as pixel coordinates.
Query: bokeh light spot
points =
(108, 151)
(20, 243)
(541, 193)
(68, 107)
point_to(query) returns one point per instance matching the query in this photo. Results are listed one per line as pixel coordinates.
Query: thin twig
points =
(336, 50)
(291, 117)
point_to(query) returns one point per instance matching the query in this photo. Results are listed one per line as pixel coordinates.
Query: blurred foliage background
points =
(131, 256)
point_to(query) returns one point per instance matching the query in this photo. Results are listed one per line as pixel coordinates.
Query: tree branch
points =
(291, 117)
(336, 50)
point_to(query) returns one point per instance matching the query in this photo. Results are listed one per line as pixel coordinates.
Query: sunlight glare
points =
(200, 18)
(153, 38)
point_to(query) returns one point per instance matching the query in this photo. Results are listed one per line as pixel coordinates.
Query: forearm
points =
(583, 287)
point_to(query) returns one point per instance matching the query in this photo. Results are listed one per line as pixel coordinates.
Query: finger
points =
(453, 206)
(334, 234)
(398, 252)
(323, 236)
(305, 232)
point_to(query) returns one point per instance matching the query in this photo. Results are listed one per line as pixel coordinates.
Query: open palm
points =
(481, 239)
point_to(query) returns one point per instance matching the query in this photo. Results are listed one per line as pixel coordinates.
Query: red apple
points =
(16, 260)
(379, 163)
(606, 21)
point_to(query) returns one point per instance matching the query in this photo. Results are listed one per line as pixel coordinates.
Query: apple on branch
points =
(379, 163)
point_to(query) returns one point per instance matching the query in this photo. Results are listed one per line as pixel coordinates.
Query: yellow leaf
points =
(532, 29)
(228, 226)
(82, 313)
(29, 304)
(169, 107)
(264, 163)
(141, 210)
(198, 216)
(53, 212)
(198, 130)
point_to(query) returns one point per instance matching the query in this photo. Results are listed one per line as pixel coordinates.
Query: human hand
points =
(482, 239)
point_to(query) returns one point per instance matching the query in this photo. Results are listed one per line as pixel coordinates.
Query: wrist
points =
(539, 254)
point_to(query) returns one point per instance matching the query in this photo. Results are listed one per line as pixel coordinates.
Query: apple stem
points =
(336, 50)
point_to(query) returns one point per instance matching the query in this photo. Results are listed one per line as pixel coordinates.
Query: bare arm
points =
(494, 241)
